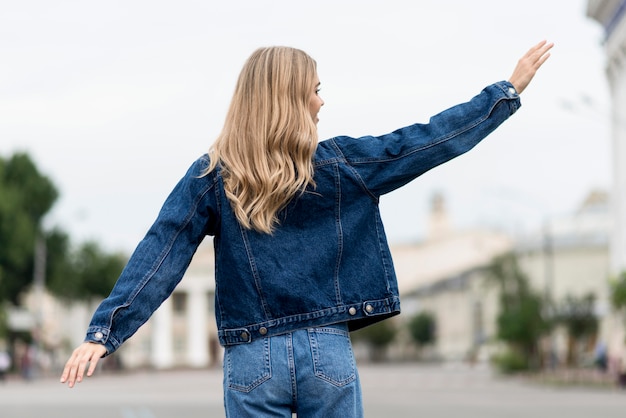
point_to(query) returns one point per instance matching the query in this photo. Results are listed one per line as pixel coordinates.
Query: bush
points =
(379, 335)
(422, 328)
(509, 362)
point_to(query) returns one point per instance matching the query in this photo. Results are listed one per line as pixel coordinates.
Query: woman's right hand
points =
(86, 355)
(528, 65)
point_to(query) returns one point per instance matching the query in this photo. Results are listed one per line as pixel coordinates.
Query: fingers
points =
(84, 358)
(538, 54)
(528, 65)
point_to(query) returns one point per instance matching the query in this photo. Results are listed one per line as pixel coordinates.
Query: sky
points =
(114, 100)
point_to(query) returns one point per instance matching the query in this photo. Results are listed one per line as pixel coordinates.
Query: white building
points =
(445, 275)
(611, 14)
(182, 332)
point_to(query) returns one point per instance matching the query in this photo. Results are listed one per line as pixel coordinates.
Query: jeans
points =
(310, 372)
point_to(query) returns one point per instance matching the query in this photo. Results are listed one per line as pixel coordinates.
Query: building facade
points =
(611, 14)
(446, 276)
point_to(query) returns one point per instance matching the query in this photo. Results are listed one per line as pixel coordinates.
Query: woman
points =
(301, 254)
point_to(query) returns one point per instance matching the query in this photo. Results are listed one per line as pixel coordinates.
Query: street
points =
(398, 390)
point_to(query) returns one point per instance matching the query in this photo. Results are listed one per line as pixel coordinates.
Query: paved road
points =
(389, 391)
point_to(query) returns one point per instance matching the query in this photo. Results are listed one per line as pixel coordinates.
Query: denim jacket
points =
(327, 262)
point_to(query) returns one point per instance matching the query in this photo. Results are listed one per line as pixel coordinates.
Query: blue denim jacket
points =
(327, 262)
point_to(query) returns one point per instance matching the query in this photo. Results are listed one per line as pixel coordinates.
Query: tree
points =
(378, 337)
(93, 273)
(422, 329)
(618, 292)
(578, 317)
(25, 197)
(520, 323)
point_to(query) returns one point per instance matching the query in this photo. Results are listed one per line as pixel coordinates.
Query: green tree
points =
(25, 197)
(378, 336)
(83, 273)
(520, 322)
(96, 270)
(618, 291)
(422, 329)
(578, 316)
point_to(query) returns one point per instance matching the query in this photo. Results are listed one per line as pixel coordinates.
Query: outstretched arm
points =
(528, 65)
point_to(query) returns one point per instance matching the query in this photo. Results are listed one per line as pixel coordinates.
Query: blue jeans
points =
(310, 372)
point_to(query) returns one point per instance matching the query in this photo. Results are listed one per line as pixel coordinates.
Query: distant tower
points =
(438, 223)
(612, 16)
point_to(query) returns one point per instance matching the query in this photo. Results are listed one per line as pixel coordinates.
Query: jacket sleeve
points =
(387, 162)
(160, 260)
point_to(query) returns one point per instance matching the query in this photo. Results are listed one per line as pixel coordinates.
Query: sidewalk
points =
(398, 390)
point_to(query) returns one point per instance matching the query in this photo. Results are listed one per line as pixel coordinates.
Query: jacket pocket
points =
(246, 366)
(333, 359)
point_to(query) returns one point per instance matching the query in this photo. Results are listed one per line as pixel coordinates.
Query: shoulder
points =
(331, 150)
(200, 168)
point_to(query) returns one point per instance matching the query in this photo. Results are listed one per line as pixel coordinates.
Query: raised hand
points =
(528, 65)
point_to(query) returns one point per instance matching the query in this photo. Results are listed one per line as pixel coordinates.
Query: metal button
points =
(512, 91)
(369, 308)
(352, 311)
(262, 330)
(99, 335)
(244, 335)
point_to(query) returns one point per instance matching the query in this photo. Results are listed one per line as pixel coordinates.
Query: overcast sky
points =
(114, 100)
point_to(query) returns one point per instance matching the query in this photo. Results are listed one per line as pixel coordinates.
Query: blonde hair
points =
(266, 146)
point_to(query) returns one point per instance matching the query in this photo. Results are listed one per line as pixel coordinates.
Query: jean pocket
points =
(247, 365)
(333, 359)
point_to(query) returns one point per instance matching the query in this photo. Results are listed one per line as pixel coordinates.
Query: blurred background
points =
(512, 255)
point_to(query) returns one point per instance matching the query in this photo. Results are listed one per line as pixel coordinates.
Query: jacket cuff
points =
(102, 336)
(510, 93)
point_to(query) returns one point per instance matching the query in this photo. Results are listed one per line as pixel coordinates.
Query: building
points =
(445, 274)
(611, 14)
(182, 332)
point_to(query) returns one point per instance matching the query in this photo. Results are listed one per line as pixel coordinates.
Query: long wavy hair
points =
(269, 137)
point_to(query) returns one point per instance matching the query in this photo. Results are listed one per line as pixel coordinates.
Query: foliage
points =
(577, 314)
(3, 322)
(422, 328)
(618, 292)
(510, 361)
(379, 335)
(96, 270)
(82, 273)
(520, 323)
(25, 197)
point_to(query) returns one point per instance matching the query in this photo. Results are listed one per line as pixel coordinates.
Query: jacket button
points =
(244, 335)
(262, 330)
(369, 308)
(352, 311)
(98, 335)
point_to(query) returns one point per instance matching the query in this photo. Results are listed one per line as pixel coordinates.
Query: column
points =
(617, 80)
(162, 341)
(197, 327)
